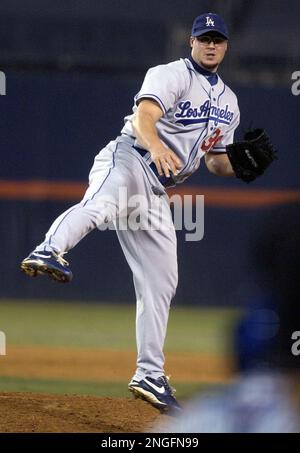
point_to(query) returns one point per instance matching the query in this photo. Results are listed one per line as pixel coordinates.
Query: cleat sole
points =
(139, 393)
(29, 270)
(33, 270)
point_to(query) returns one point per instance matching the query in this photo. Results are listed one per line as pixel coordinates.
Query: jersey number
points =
(210, 141)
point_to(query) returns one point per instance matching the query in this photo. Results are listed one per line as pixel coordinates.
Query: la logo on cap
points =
(209, 22)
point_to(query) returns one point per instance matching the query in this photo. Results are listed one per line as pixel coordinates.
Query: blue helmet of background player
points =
(207, 23)
(255, 339)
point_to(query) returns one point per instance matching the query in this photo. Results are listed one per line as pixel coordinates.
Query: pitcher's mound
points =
(36, 413)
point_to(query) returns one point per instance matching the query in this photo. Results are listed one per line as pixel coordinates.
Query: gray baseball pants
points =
(150, 252)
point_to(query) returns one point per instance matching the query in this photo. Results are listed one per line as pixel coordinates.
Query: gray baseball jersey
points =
(200, 112)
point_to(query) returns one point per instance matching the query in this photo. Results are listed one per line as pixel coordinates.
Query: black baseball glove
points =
(251, 157)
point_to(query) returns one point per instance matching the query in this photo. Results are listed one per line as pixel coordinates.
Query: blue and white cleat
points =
(157, 392)
(47, 263)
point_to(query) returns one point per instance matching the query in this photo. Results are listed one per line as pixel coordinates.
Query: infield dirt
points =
(36, 413)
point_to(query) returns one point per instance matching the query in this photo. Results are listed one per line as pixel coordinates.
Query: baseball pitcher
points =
(183, 112)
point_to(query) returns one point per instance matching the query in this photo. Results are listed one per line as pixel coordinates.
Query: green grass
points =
(108, 389)
(111, 389)
(110, 326)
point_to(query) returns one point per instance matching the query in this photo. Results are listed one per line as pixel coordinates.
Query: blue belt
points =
(166, 182)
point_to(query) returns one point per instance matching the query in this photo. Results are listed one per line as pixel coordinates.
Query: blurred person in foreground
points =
(265, 396)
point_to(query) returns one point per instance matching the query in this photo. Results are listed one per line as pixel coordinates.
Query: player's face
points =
(209, 50)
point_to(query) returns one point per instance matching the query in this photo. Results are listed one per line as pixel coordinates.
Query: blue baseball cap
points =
(209, 22)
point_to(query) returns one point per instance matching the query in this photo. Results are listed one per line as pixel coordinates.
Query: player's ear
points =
(192, 39)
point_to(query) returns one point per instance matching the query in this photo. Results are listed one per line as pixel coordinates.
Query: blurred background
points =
(72, 69)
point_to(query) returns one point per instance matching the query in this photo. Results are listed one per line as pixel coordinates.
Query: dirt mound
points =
(36, 413)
